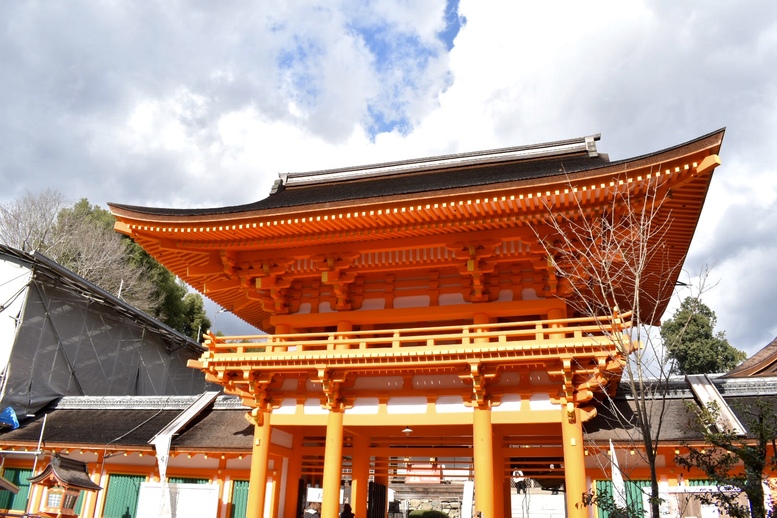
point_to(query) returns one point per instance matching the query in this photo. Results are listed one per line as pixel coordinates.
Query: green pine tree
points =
(692, 343)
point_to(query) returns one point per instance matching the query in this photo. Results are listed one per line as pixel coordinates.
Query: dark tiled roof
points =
(762, 363)
(406, 183)
(130, 422)
(133, 428)
(108, 428)
(471, 178)
(678, 421)
(217, 429)
(620, 425)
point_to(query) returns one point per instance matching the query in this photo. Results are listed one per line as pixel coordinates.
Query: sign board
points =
(423, 474)
(316, 494)
(178, 500)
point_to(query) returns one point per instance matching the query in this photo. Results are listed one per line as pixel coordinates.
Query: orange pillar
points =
(360, 474)
(281, 329)
(90, 499)
(480, 319)
(343, 326)
(574, 461)
(293, 475)
(260, 457)
(333, 465)
(483, 448)
(556, 314)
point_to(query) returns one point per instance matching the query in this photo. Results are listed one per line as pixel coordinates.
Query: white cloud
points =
(203, 104)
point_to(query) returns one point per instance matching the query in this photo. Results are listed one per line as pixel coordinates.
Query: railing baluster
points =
(530, 334)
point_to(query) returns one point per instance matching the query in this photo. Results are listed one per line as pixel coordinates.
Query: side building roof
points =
(761, 364)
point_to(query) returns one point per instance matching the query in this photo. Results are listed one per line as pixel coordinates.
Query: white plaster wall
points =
(13, 292)
(313, 407)
(406, 405)
(364, 405)
(510, 403)
(542, 402)
(451, 404)
(288, 407)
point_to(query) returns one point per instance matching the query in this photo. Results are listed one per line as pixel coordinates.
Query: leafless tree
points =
(79, 238)
(99, 255)
(30, 223)
(610, 258)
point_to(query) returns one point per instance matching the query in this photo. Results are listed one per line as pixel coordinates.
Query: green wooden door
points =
(239, 499)
(18, 501)
(634, 491)
(121, 499)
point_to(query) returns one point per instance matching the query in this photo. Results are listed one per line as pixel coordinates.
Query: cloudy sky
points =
(192, 104)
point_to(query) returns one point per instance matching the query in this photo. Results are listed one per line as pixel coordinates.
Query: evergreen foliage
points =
(692, 343)
(81, 238)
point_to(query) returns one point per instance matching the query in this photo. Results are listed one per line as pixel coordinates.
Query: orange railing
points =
(607, 330)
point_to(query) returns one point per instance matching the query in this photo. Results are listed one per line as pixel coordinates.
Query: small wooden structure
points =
(64, 479)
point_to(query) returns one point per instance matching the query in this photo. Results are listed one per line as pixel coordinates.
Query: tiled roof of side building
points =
(762, 363)
(129, 421)
(463, 171)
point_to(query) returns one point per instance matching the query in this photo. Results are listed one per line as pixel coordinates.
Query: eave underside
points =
(250, 262)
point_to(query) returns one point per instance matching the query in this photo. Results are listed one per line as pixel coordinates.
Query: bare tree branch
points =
(611, 255)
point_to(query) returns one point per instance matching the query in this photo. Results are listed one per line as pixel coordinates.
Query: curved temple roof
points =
(435, 200)
(523, 163)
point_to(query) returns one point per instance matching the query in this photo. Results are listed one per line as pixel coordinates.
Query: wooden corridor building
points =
(417, 310)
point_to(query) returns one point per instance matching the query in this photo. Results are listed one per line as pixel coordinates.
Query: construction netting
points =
(72, 339)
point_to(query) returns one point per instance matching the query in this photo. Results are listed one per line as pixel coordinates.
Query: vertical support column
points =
(360, 474)
(556, 314)
(102, 481)
(293, 475)
(280, 329)
(277, 477)
(483, 448)
(260, 457)
(574, 461)
(480, 319)
(90, 499)
(274, 495)
(35, 495)
(343, 327)
(333, 464)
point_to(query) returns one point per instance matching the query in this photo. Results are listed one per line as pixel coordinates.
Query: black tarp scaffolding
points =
(73, 338)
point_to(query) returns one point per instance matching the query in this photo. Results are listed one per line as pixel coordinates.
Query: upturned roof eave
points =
(711, 142)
